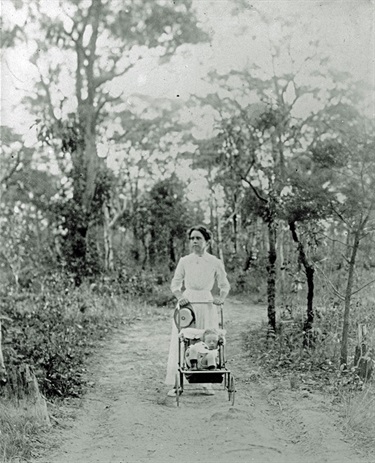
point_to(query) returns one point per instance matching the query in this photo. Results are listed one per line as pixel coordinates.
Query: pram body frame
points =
(217, 376)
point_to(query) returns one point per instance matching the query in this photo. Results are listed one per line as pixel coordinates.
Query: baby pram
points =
(184, 319)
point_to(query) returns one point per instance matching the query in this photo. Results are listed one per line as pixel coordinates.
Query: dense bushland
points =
(317, 365)
(55, 330)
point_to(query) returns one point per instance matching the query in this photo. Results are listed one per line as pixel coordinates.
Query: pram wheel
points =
(231, 389)
(179, 388)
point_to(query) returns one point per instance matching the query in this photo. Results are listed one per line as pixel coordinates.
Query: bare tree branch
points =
(104, 100)
(254, 189)
(335, 290)
(109, 75)
(49, 97)
(8, 175)
(336, 241)
(363, 287)
(340, 216)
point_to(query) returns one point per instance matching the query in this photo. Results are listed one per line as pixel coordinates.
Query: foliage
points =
(55, 330)
(97, 42)
(250, 282)
(318, 366)
(166, 216)
(285, 353)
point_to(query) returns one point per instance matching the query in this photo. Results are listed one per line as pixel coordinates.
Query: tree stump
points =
(362, 361)
(23, 389)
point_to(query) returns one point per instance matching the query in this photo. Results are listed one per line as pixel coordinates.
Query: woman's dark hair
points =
(201, 229)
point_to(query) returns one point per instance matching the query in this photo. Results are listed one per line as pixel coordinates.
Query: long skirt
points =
(206, 316)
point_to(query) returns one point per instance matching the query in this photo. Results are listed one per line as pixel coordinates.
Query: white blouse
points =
(198, 273)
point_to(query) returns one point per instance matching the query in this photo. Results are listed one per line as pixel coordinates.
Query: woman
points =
(193, 281)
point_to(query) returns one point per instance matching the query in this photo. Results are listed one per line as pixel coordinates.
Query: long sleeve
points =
(178, 279)
(222, 280)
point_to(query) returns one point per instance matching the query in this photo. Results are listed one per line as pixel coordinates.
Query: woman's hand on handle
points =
(183, 301)
(218, 301)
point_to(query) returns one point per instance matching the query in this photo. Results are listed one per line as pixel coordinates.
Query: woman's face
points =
(197, 242)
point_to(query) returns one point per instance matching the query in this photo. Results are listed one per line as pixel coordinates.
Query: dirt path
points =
(127, 418)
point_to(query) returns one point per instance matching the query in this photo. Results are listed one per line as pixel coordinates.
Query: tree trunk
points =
(108, 240)
(172, 254)
(310, 306)
(75, 245)
(309, 270)
(136, 244)
(91, 164)
(151, 247)
(213, 227)
(219, 236)
(271, 274)
(235, 233)
(282, 272)
(3, 372)
(247, 261)
(348, 294)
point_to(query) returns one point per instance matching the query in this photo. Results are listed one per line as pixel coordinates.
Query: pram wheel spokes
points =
(231, 389)
(179, 386)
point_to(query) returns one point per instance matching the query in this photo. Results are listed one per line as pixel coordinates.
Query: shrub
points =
(56, 330)
(284, 352)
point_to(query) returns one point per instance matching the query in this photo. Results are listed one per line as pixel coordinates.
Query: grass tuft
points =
(19, 429)
(360, 416)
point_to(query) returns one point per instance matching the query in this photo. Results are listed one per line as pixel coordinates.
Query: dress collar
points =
(205, 256)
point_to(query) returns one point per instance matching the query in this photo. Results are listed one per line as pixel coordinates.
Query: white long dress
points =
(197, 274)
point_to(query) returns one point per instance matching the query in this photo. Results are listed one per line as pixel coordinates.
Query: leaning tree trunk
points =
(3, 372)
(309, 270)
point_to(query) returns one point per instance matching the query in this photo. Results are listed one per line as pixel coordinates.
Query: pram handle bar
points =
(202, 302)
(221, 324)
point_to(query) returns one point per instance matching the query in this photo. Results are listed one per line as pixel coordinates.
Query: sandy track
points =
(127, 418)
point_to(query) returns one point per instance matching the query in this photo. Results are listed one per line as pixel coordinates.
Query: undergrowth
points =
(19, 430)
(55, 331)
(284, 352)
(318, 366)
(359, 419)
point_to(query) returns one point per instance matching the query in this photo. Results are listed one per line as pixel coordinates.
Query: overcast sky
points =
(345, 25)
